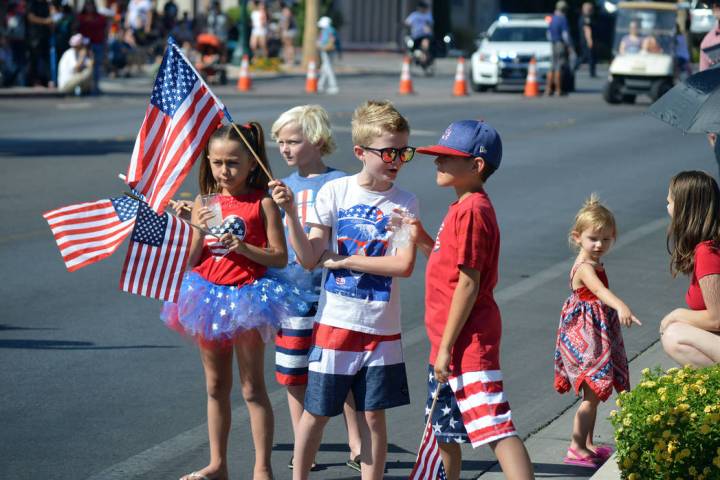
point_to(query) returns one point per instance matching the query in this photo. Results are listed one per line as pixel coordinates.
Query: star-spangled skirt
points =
(214, 315)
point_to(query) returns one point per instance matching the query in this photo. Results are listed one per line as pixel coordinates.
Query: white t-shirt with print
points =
(352, 300)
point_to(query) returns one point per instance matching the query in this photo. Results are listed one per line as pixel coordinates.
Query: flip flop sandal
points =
(194, 476)
(586, 461)
(604, 452)
(313, 467)
(354, 463)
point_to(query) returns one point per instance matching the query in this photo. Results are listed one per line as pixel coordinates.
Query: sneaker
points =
(354, 463)
(77, 91)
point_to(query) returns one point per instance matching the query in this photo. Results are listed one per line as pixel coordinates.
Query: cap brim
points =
(441, 150)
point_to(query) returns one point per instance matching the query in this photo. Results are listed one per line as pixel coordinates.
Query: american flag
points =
(88, 232)
(182, 115)
(428, 465)
(155, 261)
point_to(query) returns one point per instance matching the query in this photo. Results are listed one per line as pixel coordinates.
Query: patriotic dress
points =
(227, 294)
(589, 346)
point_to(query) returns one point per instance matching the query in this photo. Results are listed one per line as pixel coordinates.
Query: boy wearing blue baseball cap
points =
(461, 316)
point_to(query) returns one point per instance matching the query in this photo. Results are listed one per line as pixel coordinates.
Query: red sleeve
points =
(472, 238)
(707, 260)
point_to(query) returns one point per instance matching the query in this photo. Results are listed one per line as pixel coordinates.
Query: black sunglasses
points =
(389, 154)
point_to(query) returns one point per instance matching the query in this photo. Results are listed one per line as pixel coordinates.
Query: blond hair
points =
(375, 117)
(314, 122)
(594, 215)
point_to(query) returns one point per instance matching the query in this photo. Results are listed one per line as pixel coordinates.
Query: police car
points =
(504, 53)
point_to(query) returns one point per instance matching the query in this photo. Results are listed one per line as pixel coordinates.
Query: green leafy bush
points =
(668, 427)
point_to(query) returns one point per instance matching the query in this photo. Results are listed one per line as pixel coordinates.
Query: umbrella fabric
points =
(693, 105)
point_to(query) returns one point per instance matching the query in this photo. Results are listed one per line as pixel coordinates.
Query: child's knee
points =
(218, 389)
(253, 392)
(375, 420)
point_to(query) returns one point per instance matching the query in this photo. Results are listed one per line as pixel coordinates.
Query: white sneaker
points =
(333, 91)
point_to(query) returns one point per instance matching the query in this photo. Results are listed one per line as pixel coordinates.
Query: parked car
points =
(504, 53)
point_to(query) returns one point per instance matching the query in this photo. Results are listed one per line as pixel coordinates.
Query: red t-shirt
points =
(242, 217)
(469, 236)
(707, 262)
(92, 27)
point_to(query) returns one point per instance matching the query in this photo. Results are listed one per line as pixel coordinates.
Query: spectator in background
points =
(682, 53)
(632, 42)
(288, 31)
(217, 22)
(75, 67)
(326, 45)
(258, 33)
(420, 22)
(64, 20)
(711, 39)
(559, 36)
(40, 26)
(93, 26)
(170, 11)
(183, 31)
(139, 19)
(586, 32)
(15, 33)
(7, 66)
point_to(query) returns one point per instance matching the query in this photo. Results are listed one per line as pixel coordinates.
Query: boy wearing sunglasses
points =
(356, 344)
(461, 317)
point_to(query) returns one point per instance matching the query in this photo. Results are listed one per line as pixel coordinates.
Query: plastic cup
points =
(212, 203)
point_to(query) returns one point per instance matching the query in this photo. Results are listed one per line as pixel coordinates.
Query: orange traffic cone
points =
(460, 88)
(406, 85)
(311, 82)
(532, 88)
(244, 83)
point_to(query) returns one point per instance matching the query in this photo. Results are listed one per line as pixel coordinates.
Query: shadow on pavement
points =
(335, 447)
(551, 470)
(68, 345)
(5, 328)
(57, 147)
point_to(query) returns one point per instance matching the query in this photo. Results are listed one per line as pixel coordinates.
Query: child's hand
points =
(442, 366)
(626, 316)
(282, 195)
(182, 208)
(202, 216)
(332, 260)
(233, 243)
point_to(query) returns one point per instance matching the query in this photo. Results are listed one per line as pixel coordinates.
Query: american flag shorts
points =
(481, 402)
(292, 345)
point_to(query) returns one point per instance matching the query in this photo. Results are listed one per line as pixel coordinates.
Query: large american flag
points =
(88, 232)
(428, 465)
(155, 261)
(182, 114)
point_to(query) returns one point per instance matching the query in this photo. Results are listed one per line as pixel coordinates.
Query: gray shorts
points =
(560, 56)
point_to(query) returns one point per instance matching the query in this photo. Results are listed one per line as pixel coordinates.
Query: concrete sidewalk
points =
(548, 446)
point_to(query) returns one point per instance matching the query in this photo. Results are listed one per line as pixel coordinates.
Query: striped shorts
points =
(477, 398)
(371, 366)
(292, 345)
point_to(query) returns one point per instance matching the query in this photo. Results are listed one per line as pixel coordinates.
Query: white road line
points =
(191, 439)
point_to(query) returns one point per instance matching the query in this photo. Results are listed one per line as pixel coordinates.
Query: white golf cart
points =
(644, 50)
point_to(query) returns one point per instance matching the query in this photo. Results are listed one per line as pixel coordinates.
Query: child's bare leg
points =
(373, 452)
(307, 442)
(589, 442)
(218, 380)
(513, 458)
(351, 424)
(249, 350)
(452, 459)
(584, 421)
(296, 397)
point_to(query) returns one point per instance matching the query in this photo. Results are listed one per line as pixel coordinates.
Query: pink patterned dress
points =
(589, 346)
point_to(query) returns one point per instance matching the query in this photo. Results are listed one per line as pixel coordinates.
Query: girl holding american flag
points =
(228, 303)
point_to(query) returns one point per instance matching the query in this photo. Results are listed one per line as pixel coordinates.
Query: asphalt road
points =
(94, 386)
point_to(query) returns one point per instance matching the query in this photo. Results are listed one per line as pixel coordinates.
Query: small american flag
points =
(182, 115)
(88, 232)
(428, 465)
(158, 252)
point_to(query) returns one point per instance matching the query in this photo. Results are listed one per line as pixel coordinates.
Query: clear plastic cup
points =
(400, 229)
(212, 203)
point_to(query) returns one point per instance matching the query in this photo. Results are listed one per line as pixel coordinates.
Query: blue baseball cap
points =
(468, 138)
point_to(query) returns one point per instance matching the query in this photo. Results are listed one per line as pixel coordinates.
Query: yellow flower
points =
(716, 461)
(633, 476)
(683, 406)
(708, 409)
(645, 371)
(704, 429)
(666, 434)
(672, 370)
(692, 470)
(627, 421)
(627, 462)
(656, 418)
(613, 413)
(671, 447)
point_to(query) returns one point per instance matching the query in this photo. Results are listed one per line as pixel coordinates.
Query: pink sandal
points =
(587, 461)
(604, 452)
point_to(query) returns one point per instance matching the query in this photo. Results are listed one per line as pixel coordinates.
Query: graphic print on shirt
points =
(232, 224)
(436, 247)
(361, 231)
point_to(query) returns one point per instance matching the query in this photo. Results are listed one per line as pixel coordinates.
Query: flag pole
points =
(227, 114)
(429, 420)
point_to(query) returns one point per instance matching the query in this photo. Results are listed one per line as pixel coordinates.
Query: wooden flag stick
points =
(257, 159)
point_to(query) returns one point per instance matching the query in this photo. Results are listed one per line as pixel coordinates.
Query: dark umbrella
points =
(693, 106)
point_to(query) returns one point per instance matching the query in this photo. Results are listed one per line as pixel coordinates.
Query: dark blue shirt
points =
(558, 29)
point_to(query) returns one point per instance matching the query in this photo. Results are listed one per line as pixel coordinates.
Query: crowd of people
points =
(119, 37)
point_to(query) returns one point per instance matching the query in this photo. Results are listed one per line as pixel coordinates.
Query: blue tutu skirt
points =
(214, 315)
